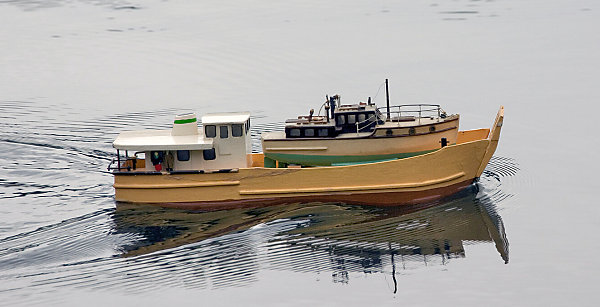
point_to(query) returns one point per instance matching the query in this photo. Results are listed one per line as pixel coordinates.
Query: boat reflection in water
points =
(230, 247)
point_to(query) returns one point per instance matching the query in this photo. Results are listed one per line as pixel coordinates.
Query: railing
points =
(126, 166)
(416, 110)
(372, 119)
(130, 162)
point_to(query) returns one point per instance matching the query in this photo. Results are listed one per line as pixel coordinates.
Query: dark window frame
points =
(181, 155)
(353, 117)
(224, 129)
(364, 117)
(212, 129)
(209, 154)
(233, 130)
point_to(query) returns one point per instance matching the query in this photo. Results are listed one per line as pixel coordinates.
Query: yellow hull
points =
(411, 180)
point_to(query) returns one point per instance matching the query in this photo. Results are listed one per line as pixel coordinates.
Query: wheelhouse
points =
(361, 117)
(223, 143)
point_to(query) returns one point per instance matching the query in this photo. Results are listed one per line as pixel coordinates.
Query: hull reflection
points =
(229, 248)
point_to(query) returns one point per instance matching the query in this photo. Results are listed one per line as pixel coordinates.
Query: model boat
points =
(213, 166)
(360, 133)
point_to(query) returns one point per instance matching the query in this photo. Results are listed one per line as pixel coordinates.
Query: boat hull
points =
(381, 199)
(418, 179)
(407, 181)
(323, 152)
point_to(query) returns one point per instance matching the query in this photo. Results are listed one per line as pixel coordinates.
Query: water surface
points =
(76, 73)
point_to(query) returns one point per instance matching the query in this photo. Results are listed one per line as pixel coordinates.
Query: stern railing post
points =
(118, 160)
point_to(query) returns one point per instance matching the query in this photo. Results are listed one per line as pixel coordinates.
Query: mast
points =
(387, 98)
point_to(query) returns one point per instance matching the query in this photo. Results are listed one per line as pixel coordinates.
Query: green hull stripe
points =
(339, 160)
(185, 121)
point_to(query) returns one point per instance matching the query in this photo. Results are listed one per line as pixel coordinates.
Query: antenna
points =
(387, 98)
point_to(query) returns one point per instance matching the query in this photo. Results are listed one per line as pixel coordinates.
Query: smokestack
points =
(185, 124)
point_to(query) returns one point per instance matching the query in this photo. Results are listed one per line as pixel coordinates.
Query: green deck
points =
(322, 160)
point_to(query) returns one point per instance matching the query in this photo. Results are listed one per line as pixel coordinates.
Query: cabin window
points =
(236, 130)
(295, 132)
(351, 119)
(362, 117)
(431, 128)
(210, 131)
(223, 132)
(209, 154)
(340, 120)
(183, 155)
(323, 132)
(411, 131)
(309, 132)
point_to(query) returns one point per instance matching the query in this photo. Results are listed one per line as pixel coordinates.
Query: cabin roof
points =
(361, 107)
(225, 118)
(160, 140)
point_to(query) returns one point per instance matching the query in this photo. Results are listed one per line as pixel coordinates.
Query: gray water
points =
(73, 74)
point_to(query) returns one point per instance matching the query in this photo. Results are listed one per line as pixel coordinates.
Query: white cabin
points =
(222, 143)
(230, 136)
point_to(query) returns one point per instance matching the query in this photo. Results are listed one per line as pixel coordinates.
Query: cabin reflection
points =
(229, 248)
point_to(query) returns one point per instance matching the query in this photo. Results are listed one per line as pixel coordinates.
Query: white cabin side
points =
(230, 135)
(223, 143)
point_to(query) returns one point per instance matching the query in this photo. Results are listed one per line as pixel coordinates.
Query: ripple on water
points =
(500, 181)
(85, 243)
(466, 10)
(138, 248)
(45, 4)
